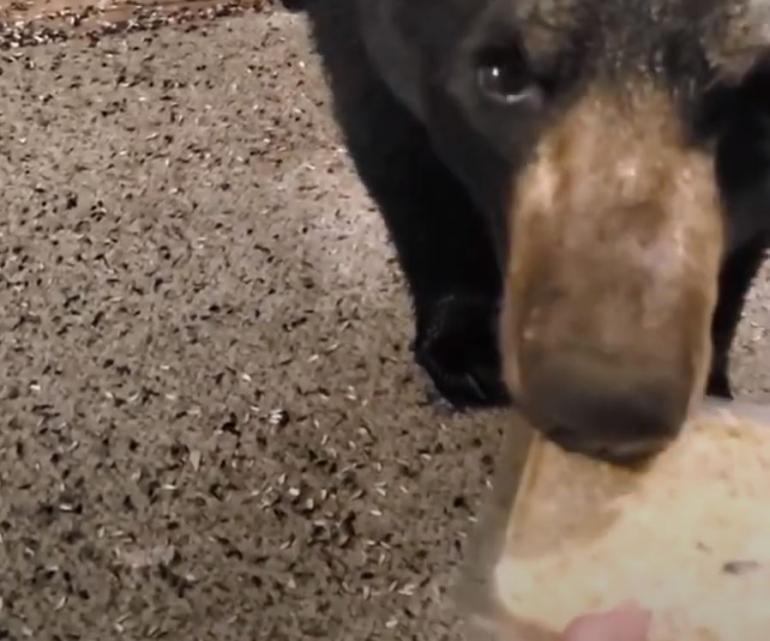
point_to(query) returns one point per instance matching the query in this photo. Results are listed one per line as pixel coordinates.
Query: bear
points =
(578, 193)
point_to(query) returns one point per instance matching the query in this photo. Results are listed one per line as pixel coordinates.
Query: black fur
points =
(441, 186)
(444, 248)
(742, 127)
(735, 281)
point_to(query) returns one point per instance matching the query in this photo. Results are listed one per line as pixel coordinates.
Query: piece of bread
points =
(688, 537)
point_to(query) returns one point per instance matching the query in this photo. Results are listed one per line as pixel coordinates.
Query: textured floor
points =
(211, 426)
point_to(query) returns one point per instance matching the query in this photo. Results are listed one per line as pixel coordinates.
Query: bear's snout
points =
(616, 242)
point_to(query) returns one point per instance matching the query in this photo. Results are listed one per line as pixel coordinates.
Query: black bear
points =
(578, 192)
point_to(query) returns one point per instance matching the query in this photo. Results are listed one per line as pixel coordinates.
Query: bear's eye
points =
(503, 78)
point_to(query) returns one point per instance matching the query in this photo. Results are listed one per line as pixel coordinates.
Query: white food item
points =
(688, 537)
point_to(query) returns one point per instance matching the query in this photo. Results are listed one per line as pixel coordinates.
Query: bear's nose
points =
(621, 414)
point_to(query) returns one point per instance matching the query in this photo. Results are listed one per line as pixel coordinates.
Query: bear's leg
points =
(441, 240)
(734, 283)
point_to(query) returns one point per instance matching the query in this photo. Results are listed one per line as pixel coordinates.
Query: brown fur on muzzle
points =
(616, 240)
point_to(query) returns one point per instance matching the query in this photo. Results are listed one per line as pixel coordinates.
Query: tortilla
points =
(687, 537)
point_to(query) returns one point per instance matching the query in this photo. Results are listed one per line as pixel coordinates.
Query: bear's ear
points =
(739, 39)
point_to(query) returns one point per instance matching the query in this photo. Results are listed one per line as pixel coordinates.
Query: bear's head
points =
(636, 136)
